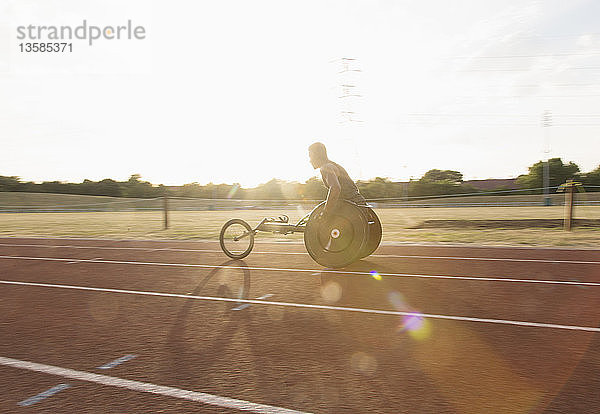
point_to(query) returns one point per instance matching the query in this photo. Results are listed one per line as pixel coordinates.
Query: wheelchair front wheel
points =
(236, 238)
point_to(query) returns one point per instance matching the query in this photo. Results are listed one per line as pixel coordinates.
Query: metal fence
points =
(64, 203)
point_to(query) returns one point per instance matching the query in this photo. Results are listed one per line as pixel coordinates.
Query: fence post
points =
(166, 211)
(568, 220)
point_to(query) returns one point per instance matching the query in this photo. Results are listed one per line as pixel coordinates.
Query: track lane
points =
(536, 270)
(208, 347)
(199, 346)
(445, 296)
(584, 272)
(480, 253)
(85, 397)
(459, 367)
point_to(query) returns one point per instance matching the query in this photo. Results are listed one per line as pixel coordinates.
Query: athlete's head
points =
(317, 154)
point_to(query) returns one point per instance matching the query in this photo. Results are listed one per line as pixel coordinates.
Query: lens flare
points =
(233, 190)
(375, 275)
(413, 322)
(331, 292)
(363, 363)
(398, 301)
(417, 326)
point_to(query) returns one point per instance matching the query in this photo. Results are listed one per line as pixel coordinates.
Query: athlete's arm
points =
(335, 188)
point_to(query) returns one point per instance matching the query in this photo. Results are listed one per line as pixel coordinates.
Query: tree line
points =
(433, 182)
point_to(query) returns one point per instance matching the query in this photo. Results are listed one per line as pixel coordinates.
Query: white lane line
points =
(171, 241)
(433, 245)
(117, 361)
(309, 306)
(316, 271)
(43, 395)
(394, 256)
(484, 259)
(148, 387)
(247, 305)
(84, 260)
(267, 296)
(148, 249)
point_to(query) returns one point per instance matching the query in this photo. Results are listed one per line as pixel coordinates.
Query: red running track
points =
(435, 330)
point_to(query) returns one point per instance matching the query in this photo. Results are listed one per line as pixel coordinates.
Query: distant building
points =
(493, 184)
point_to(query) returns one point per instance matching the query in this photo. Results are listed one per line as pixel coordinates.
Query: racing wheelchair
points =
(350, 233)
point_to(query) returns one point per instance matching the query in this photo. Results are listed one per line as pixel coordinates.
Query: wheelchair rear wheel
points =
(338, 240)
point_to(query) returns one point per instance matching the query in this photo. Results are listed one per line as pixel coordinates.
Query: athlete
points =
(335, 178)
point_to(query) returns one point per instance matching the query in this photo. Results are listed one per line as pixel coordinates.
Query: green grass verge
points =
(397, 223)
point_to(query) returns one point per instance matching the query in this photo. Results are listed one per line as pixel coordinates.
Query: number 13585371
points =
(45, 47)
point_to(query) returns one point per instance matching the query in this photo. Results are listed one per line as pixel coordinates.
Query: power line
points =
(485, 125)
(529, 96)
(561, 36)
(537, 85)
(529, 69)
(594, 53)
(432, 114)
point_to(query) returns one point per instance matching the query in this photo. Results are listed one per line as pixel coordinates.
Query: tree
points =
(378, 188)
(438, 182)
(592, 178)
(108, 187)
(53, 187)
(192, 190)
(10, 183)
(442, 176)
(558, 174)
(313, 189)
(270, 190)
(135, 187)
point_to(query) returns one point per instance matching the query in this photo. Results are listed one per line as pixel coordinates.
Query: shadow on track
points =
(182, 342)
(336, 361)
(314, 360)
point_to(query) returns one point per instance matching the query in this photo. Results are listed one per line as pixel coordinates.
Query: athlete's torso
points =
(349, 190)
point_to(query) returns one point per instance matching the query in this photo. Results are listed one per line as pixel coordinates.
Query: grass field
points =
(398, 225)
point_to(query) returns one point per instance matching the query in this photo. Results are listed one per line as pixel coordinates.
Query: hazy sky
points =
(235, 91)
